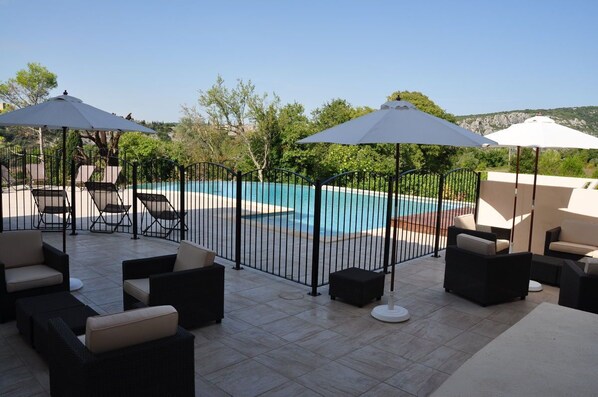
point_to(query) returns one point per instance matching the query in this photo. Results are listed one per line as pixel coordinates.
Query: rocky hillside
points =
(583, 118)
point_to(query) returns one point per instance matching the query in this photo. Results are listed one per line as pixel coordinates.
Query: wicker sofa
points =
(135, 353)
(572, 240)
(467, 224)
(29, 267)
(189, 280)
(474, 271)
(579, 289)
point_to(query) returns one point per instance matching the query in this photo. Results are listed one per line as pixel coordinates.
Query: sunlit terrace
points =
(276, 340)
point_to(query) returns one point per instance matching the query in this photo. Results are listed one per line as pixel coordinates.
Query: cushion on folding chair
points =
(466, 221)
(193, 256)
(138, 288)
(34, 276)
(476, 244)
(21, 248)
(132, 327)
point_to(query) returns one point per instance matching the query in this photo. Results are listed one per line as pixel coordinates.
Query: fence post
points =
(439, 215)
(182, 210)
(315, 257)
(477, 195)
(238, 201)
(388, 224)
(73, 201)
(135, 236)
(1, 209)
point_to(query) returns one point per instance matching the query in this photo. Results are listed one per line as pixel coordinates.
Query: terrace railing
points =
(275, 220)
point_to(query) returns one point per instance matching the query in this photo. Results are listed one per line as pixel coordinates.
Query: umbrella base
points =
(397, 314)
(75, 284)
(534, 286)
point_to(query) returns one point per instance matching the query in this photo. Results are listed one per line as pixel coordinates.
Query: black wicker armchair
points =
(163, 367)
(578, 289)
(197, 294)
(29, 267)
(487, 279)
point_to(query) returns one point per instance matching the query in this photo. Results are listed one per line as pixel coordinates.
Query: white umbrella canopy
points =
(70, 112)
(66, 112)
(398, 122)
(539, 132)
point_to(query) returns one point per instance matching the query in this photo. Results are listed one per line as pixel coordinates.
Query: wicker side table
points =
(356, 286)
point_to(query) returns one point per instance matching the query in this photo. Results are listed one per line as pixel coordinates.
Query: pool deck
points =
(275, 340)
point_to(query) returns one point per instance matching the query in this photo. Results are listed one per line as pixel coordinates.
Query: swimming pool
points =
(344, 210)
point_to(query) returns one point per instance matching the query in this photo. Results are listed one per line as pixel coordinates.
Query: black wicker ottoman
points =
(546, 269)
(356, 286)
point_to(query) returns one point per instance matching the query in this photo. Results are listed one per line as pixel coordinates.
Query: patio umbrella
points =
(539, 132)
(397, 122)
(64, 112)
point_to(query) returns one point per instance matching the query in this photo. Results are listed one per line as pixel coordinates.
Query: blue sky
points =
(151, 57)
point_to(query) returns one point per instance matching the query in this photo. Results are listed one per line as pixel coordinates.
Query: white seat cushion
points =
(193, 256)
(476, 244)
(132, 327)
(502, 244)
(139, 288)
(579, 232)
(466, 221)
(22, 248)
(27, 277)
(572, 248)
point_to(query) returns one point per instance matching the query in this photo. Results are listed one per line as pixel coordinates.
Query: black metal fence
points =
(275, 220)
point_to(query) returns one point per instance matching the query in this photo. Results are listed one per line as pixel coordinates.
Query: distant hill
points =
(583, 118)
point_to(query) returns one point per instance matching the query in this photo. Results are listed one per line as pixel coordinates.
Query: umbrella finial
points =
(398, 97)
(65, 93)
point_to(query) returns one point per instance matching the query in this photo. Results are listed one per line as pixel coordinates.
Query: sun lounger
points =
(36, 173)
(84, 174)
(51, 202)
(108, 201)
(111, 173)
(7, 179)
(165, 217)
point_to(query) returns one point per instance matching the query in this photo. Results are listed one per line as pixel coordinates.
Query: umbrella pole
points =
(531, 223)
(64, 189)
(515, 198)
(390, 313)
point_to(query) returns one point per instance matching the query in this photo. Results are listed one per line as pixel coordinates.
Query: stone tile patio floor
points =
(276, 340)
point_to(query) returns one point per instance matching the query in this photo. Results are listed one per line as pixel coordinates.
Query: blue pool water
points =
(343, 210)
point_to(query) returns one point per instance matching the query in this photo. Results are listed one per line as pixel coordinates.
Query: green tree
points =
(247, 116)
(294, 125)
(30, 86)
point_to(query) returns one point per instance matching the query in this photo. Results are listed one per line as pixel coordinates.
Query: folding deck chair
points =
(163, 213)
(107, 200)
(36, 173)
(111, 173)
(50, 202)
(7, 179)
(83, 174)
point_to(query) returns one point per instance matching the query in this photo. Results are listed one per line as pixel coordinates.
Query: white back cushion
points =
(591, 266)
(476, 244)
(193, 256)
(579, 232)
(132, 327)
(22, 248)
(466, 221)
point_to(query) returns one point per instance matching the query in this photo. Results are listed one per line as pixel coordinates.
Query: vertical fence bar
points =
(238, 212)
(477, 195)
(438, 216)
(182, 209)
(135, 220)
(73, 201)
(1, 201)
(316, 238)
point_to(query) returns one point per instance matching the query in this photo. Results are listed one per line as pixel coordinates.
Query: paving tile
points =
(253, 341)
(290, 389)
(468, 342)
(431, 330)
(445, 359)
(335, 379)
(489, 328)
(407, 346)
(291, 360)
(292, 328)
(330, 344)
(386, 390)
(418, 379)
(212, 356)
(258, 314)
(248, 378)
(455, 318)
(374, 362)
